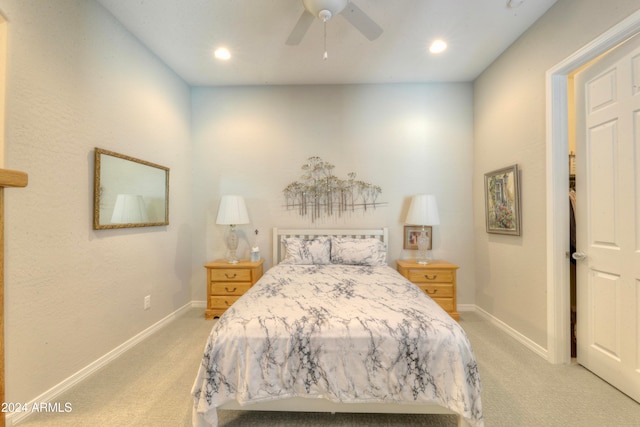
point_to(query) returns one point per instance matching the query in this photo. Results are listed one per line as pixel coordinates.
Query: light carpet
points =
(150, 386)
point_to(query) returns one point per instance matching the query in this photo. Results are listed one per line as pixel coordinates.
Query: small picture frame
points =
(502, 201)
(411, 233)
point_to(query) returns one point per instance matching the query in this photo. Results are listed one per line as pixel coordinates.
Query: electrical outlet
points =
(147, 302)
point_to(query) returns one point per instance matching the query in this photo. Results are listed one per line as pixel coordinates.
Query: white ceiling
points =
(184, 33)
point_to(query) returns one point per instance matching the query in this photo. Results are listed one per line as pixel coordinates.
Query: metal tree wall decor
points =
(320, 193)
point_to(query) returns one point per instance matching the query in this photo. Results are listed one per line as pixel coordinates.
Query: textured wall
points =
(408, 139)
(509, 126)
(77, 80)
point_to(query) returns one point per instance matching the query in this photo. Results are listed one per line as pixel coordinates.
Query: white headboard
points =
(381, 234)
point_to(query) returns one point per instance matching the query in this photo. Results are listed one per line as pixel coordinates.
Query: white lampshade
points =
(423, 210)
(129, 209)
(232, 211)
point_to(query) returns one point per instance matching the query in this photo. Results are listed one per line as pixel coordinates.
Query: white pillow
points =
(307, 251)
(351, 251)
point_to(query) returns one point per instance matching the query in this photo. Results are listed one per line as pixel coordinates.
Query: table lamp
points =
(423, 211)
(232, 212)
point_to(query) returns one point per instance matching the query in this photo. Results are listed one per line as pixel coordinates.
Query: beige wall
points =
(408, 139)
(509, 127)
(77, 80)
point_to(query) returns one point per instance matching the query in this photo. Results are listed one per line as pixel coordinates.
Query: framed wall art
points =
(411, 233)
(502, 201)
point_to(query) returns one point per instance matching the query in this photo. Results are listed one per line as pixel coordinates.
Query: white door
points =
(608, 217)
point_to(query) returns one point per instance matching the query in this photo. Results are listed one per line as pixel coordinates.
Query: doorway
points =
(558, 271)
(609, 264)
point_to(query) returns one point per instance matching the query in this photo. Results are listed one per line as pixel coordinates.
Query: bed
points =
(332, 328)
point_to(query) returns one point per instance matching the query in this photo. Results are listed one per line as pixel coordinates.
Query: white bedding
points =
(345, 333)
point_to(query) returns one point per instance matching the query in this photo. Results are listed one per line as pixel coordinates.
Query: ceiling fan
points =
(327, 9)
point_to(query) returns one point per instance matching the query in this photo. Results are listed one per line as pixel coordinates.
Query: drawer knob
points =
(433, 292)
(230, 290)
(227, 303)
(426, 276)
(230, 277)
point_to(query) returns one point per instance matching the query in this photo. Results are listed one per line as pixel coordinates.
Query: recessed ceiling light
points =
(438, 46)
(222, 53)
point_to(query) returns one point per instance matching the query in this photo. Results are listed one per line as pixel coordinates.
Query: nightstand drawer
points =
(221, 302)
(438, 291)
(430, 276)
(231, 275)
(436, 279)
(232, 288)
(227, 282)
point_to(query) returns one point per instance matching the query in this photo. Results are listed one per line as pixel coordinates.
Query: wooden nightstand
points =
(437, 279)
(227, 282)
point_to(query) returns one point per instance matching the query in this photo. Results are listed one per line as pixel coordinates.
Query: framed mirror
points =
(128, 192)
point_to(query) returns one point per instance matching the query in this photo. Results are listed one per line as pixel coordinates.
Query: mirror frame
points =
(97, 225)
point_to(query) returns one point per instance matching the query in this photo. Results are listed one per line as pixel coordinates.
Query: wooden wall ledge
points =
(10, 178)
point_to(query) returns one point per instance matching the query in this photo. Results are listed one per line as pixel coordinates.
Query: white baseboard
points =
(49, 395)
(466, 307)
(531, 345)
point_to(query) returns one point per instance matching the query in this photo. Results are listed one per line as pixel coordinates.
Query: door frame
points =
(557, 185)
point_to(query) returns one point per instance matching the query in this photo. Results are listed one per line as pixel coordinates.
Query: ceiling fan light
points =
(334, 7)
(324, 15)
(324, 10)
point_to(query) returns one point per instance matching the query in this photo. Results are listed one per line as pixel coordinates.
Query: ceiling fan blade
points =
(301, 28)
(361, 21)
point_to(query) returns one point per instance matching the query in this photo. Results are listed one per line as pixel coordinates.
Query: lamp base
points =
(423, 247)
(232, 245)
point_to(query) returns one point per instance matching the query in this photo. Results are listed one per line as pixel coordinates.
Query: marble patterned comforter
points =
(345, 333)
